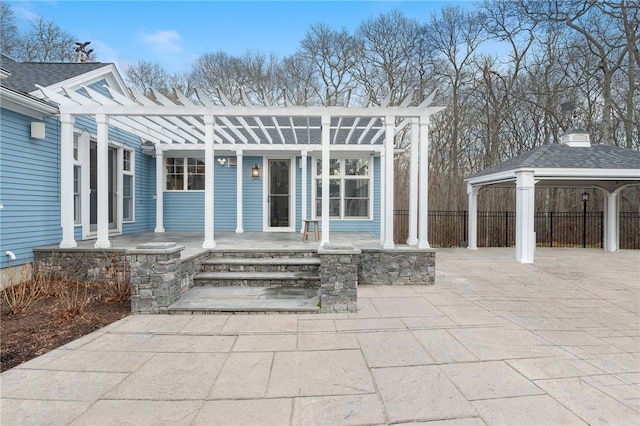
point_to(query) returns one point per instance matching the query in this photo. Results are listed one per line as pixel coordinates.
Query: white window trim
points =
(315, 176)
(132, 173)
(185, 181)
(78, 162)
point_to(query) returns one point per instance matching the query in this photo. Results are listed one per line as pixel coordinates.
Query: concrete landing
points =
(246, 299)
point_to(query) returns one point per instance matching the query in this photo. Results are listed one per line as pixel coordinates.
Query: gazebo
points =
(573, 163)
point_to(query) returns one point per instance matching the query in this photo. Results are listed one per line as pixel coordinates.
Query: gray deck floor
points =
(493, 342)
(192, 241)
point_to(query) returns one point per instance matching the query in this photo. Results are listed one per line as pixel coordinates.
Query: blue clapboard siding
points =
(225, 192)
(29, 187)
(252, 208)
(184, 211)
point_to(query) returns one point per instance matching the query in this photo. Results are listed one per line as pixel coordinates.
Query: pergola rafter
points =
(205, 126)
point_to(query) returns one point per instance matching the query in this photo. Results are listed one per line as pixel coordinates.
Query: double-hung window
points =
(349, 188)
(128, 183)
(184, 174)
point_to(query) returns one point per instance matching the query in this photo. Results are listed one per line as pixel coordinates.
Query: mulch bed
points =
(43, 327)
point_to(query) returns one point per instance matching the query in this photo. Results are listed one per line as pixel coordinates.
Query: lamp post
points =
(585, 198)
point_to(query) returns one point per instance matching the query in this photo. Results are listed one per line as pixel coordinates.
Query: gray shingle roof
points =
(562, 156)
(25, 75)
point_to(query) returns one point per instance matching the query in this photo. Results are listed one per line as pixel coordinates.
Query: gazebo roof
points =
(562, 156)
(573, 163)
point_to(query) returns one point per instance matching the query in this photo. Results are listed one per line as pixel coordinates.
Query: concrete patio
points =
(493, 342)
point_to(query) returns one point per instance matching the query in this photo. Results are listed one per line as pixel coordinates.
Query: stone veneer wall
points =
(157, 273)
(159, 276)
(86, 265)
(338, 278)
(400, 266)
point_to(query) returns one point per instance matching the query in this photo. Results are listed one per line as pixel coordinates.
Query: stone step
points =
(263, 261)
(283, 264)
(211, 300)
(257, 279)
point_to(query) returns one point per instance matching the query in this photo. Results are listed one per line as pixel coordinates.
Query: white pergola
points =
(574, 163)
(204, 124)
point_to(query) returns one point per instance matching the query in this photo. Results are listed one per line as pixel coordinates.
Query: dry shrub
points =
(115, 277)
(73, 300)
(19, 297)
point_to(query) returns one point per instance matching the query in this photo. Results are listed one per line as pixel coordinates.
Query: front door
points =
(93, 186)
(279, 195)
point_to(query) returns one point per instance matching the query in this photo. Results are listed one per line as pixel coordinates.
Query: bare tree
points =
(390, 53)
(454, 35)
(145, 75)
(333, 55)
(9, 34)
(46, 42)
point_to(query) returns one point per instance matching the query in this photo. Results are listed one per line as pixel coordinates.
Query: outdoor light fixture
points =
(255, 171)
(585, 196)
(37, 130)
(222, 161)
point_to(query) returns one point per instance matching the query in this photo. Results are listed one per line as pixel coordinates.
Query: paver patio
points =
(493, 342)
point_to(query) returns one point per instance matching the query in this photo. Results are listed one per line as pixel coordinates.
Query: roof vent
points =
(576, 138)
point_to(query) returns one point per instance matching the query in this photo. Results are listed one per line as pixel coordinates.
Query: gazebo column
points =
(611, 221)
(103, 181)
(423, 187)
(412, 239)
(303, 202)
(472, 192)
(239, 184)
(159, 191)
(66, 182)
(388, 203)
(326, 159)
(209, 241)
(525, 205)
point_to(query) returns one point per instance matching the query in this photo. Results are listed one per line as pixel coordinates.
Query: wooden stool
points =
(306, 228)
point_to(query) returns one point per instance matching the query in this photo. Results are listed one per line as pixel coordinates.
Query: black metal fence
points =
(497, 229)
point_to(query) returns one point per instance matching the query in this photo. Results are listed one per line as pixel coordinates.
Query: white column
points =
(472, 192)
(423, 187)
(611, 221)
(383, 176)
(209, 153)
(326, 159)
(412, 239)
(303, 202)
(103, 181)
(525, 206)
(159, 191)
(388, 204)
(66, 182)
(239, 183)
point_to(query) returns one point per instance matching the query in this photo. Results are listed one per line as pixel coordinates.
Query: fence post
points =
(506, 229)
(466, 231)
(550, 229)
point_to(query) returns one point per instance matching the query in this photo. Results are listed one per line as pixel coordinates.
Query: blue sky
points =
(174, 33)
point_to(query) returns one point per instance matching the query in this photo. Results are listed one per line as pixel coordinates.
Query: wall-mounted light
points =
(222, 161)
(255, 171)
(37, 130)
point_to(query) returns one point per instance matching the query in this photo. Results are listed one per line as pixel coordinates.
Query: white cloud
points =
(163, 41)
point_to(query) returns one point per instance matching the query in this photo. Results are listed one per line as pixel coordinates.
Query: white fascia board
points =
(586, 174)
(107, 72)
(26, 105)
(507, 176)
(280, 148)
(255, 111)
